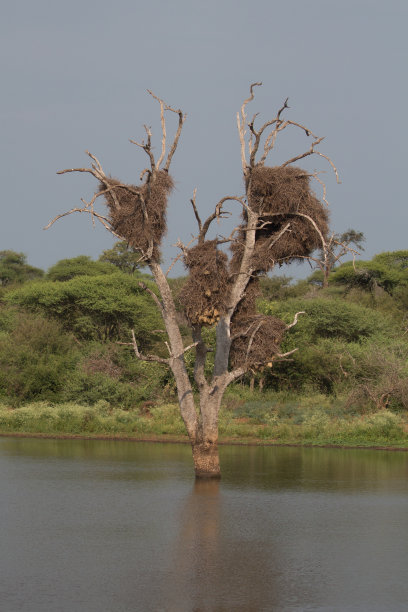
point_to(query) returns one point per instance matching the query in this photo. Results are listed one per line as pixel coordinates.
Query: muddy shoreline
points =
(184, 440)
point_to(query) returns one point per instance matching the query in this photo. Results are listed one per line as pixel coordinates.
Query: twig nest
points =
(258, 341)
(292, 220)
(204, 294)
(247, 306)
(278, 190)
(138, 213)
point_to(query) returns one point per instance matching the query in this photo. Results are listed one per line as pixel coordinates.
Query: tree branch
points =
(147, 147)
(140, 355)
(173, 148)
(194, 205)
(241, 121)
(312, 151)
(152, 294)
(295, 320)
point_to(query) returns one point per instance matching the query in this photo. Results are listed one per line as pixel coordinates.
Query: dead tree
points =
(337, 246)
(281, 220)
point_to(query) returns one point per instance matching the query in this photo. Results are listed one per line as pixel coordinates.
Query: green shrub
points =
(104, 307)
(89, 389)
(36, 358)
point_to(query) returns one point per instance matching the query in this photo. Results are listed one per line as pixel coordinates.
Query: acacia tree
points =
(281, 220)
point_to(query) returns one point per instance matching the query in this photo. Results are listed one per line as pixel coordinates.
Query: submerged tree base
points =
(206, 460)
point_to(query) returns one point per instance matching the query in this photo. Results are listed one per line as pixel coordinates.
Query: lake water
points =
(116, 526)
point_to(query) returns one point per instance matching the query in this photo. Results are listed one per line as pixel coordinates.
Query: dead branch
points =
(147, 147)
(182, 118)
(163, 126)
(286, 354)
(257, 327)
(312, 151)
(218, 214)
(295, 320)
(241, 121)
(140, 355)
(188, 348)
(194, 205)
(323, 185)
(153, 295)
(184, 249)
(86, 209)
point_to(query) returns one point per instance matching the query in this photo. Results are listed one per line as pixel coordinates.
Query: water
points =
(116, 526)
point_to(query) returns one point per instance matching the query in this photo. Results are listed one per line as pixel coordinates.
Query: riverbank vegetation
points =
(66, 365)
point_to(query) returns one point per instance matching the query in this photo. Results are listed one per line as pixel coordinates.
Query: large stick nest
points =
(247, 305)
(138, 213)
(258, 342)
(204, 295)
(281, 196)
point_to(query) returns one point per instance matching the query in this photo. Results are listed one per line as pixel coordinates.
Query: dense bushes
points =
(102, 307)
(58, 336)
(36, 358)
(343, 348)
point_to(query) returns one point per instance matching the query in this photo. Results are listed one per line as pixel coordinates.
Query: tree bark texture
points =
(206, 460)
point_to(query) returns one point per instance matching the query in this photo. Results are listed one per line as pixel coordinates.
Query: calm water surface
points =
(116, 526)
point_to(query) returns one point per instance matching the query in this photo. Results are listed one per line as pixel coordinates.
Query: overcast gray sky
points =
(74, 76)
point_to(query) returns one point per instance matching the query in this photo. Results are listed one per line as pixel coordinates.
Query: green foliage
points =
(15, 269)
(91, 388)
(329, 318)
(103, 307)
(36, 358)
(83, 265)
(386, 270)
(281, 288)
(123, 257)
(330, 339)
(112, 373)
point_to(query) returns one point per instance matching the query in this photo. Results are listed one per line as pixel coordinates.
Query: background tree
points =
(66, 269)
(15, 269)
(281, 220)
(102, 307)
(336, 247)
(388, 270)
(123, 257)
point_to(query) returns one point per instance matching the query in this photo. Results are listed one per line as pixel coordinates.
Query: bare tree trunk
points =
(326, 273)
(206, 460)
(205, 446)
(176, 361)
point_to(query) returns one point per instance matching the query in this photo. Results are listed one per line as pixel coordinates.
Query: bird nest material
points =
(258, 340)
(247, 306)
(292, 221)
(204, 295)
(138, 213)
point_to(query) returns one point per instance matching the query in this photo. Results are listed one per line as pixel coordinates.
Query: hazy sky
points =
(74, 77)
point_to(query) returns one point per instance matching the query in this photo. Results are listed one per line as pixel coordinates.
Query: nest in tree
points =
(258, 341)
(278, 189)
(138, 213)
(204, 294)
(291, 219)
(247, 306)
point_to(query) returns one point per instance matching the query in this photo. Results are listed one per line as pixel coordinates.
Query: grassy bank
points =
(314, 420)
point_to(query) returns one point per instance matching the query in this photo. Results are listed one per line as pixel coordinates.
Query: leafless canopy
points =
(136, 214)
(281, 219)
